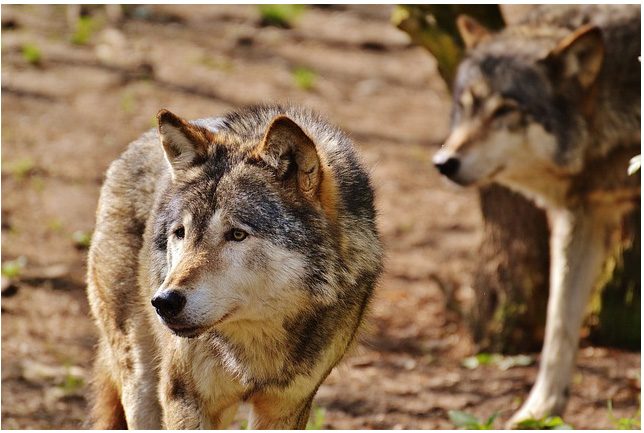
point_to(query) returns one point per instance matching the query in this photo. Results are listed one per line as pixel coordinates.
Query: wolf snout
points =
(169, 303)
(446, 165)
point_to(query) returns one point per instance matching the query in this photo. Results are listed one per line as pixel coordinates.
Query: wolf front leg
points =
(274, 411)
(579, 242)
(139, 392)
(181, 410)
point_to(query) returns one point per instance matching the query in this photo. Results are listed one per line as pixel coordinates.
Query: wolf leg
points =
(140, 381)
(181, 412)
(273, 412)
(106, 410)
(179, 402)
(579, 243)
(140, 400)
(220, 420)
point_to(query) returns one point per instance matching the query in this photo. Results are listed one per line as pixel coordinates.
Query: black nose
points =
(447, 167)
(169, 303)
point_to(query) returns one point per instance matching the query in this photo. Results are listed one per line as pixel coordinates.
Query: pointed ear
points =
(578, 56)
(288, 149)
(471, 31)
(182, 142)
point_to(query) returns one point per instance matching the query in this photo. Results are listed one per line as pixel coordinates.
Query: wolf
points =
(233, 260)
(550, 108)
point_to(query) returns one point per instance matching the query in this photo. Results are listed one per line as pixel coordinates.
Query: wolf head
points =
(519, 104)
(242, 230)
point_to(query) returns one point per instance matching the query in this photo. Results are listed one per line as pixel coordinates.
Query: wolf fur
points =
(551, 108)
(254, 236)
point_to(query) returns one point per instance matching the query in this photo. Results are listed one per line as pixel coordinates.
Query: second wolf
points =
(254, 238)
(551, 108)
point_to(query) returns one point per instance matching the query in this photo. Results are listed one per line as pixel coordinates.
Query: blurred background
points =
(80, 83)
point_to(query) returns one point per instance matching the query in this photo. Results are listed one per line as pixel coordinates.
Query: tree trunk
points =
(615, 314)
(511, 281)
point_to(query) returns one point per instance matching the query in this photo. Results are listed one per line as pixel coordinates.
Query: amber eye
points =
(237, 235)
(180, 233)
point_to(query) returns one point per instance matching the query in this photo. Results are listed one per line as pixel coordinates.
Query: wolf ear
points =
(471, 31)
(286, 147)
(182, 141)
(579, 56)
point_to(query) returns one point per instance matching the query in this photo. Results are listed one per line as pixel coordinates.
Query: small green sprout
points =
(82, 239)
(32, 54)
(85, 27)
(470, 422)
(304, 78)
(546, 423)
(13, 268)
(281, 15)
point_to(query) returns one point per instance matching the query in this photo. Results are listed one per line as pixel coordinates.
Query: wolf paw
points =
(536, 409)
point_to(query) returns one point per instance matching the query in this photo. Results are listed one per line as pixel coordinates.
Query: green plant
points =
(546, 423)
(502, 362)
(38, 183)
(82, 239)
(22, 167)
(13, 268)
(128, 103)
(632, 423)
(482, 358)
(71, 383)
(32, 54)
(55, 225)
(304, 78)
(219, 63)
(85, 27)
(317, 419)
(282, 15)
(470, 422)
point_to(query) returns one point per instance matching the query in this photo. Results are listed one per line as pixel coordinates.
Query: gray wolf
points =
(233, 260)
(551, 108)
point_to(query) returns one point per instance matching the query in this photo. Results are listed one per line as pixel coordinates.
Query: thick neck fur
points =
(601, 182)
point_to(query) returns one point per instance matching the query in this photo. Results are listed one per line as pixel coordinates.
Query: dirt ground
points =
(70, 109)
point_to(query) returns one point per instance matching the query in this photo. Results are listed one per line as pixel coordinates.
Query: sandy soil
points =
(65, 119)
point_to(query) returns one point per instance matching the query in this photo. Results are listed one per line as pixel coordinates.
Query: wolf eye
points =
(503, 110)
(237, 235)
(180, 232)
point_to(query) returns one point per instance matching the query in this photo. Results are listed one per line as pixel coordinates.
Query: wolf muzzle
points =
(447, 165)
(169, 304)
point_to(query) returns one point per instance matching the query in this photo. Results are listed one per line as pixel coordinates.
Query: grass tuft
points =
(32, 54)
(502, 362)
(546, 423)
(13, 268)
(632, 423)
(304, 78)
(470, 422)
(21, 168)
(316, 422)
(82, 239)
(85, 27)
(282, 15)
